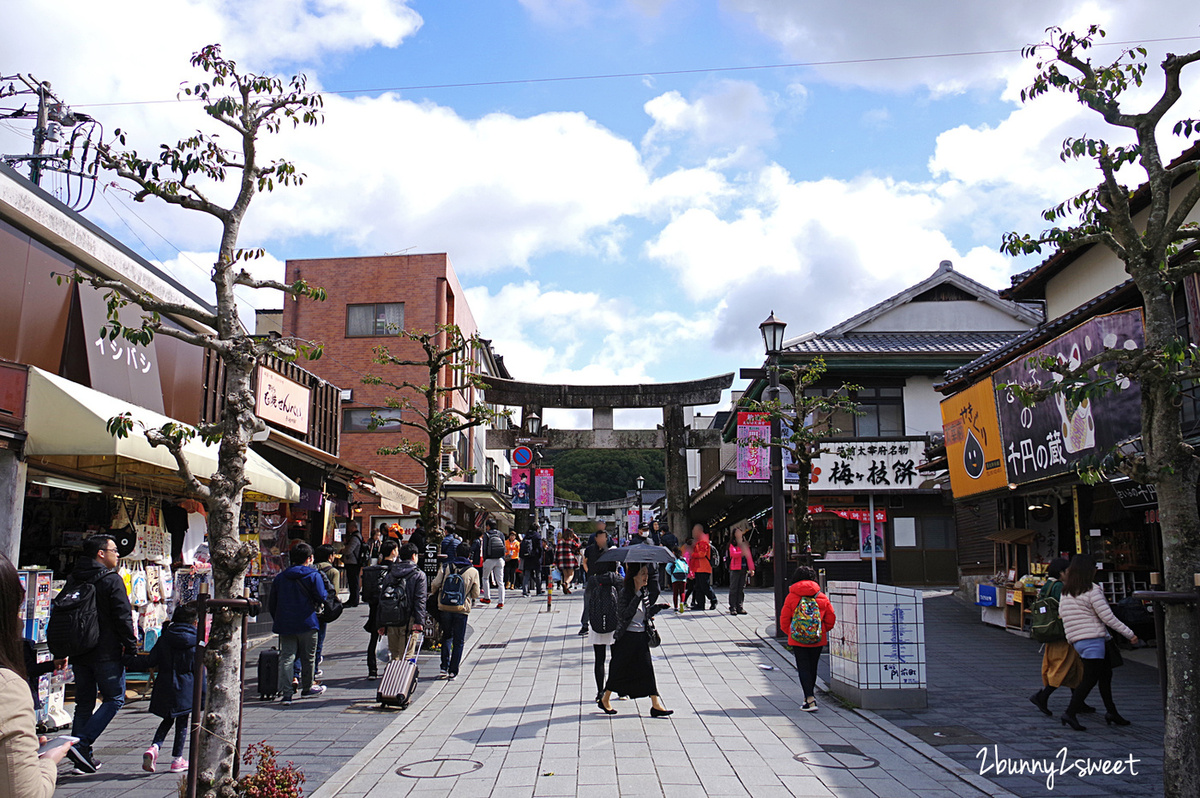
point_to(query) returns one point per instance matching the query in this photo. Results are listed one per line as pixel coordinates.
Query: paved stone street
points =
(520, 720)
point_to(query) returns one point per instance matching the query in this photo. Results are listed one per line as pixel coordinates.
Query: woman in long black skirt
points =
(631, 672)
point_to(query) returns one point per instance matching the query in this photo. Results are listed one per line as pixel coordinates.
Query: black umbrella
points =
(641, 552)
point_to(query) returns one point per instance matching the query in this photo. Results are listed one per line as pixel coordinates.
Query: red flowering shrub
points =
(268, 779)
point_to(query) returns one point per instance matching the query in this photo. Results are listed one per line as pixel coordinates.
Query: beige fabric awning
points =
(394, 496)
(67, 427)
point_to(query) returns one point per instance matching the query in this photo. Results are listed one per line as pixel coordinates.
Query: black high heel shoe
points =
(1070, 720)
(1112, 718)
(1039, 701)
(660, 713)
(604, 709)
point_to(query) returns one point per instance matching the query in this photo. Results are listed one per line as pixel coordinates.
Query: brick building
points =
(369, 299)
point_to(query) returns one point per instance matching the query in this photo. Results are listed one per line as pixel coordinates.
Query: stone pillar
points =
(12, 503)
(675, 444)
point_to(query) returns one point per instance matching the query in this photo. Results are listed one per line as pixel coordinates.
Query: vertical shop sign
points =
(753, 459)
(543, 487)
(1050, 437)
(521, 488)
(974, 448)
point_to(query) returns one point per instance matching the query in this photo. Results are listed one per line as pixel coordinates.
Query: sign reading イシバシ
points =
(865, 466)
(280, 400)
(1050, 437)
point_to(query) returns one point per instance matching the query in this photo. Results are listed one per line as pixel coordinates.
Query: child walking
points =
(679, 574)
(174, 655)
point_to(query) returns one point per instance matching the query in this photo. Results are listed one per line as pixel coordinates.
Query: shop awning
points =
(67, 427)
(394, 497)
(1013, 536)
(479, 496)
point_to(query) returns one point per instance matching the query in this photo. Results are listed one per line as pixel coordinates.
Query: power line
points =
(670, 72)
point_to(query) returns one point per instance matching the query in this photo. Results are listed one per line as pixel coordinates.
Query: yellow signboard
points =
(973, 446)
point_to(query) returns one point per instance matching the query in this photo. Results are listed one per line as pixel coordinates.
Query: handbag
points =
(1112, 654)
(652, 635)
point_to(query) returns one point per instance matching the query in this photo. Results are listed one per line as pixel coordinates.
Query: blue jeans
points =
(454, 633)
(107, 679)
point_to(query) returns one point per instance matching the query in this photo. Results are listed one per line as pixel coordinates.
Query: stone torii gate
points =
(673, 437)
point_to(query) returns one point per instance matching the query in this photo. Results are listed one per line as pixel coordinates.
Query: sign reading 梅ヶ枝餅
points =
(974, 447)
(866, 466)
(1051, 437)
(280, 400)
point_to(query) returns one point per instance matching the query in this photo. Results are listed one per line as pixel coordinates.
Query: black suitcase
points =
(400, 676)
(268, 674)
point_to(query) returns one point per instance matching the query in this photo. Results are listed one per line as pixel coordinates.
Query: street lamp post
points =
(641, 483)
(772, 334)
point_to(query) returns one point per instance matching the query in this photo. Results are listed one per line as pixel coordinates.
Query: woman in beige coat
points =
(22, 773)
(1061, 666)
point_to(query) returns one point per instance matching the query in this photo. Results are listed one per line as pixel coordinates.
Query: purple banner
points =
(753, 462)
(1050, 437)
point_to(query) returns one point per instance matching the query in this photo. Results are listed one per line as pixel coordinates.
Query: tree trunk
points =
(1174, 467)
(230, 560)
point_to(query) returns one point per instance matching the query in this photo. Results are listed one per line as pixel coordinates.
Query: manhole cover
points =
(749, 645)
(439, 768)
(838, 757)
(947, 735)
(493, 645)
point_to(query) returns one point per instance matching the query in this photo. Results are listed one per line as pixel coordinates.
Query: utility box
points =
(877, 648)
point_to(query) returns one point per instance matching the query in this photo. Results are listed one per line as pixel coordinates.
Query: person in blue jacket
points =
(295, 595)
(174, 655)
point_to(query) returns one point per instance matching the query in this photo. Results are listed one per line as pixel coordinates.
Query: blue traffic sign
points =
(522, 456)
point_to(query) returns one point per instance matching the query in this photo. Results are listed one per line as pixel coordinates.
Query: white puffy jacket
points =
(1085, 616)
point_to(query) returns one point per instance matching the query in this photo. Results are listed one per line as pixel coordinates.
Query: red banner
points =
(850, 513)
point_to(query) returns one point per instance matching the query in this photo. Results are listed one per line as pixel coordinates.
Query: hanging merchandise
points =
(137, 594)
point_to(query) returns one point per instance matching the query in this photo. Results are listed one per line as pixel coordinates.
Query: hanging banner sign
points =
(753, 461)
(1050, 438)
(633, 519)
(866, 466)
(850, 513)
(974, 448)
(543, 487)
(521, 489)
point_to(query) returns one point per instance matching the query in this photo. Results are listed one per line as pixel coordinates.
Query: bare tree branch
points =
(191, 484)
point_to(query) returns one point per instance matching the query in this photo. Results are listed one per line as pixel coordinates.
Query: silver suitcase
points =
(400, 676)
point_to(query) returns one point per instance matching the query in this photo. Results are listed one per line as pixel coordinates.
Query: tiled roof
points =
(950, 343)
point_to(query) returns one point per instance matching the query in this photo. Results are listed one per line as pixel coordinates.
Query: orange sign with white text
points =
(973, 446)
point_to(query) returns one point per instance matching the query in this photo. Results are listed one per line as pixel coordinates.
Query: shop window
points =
(365, 321)
(937, 532)
(358, 419)
(833, 534)
(881, 413)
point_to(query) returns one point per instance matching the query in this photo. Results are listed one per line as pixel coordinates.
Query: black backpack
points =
(495, 546)
(74, 626)
(394, 606)
(527, 547)
(372, 575)
(602, 603)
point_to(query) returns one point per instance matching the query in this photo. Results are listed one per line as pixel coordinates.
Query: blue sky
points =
(628, 229)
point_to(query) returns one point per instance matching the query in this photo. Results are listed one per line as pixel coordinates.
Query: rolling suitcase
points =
(268, 674)
(400, 676)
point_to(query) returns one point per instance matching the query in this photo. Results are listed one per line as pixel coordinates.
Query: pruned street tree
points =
(807, 424)
(188, 174)
(429, 408)
(1152, 230)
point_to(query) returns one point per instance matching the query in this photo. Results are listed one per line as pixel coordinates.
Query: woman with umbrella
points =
(631, 672)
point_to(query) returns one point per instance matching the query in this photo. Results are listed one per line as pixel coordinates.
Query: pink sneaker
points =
(179, 765)
(150, 758)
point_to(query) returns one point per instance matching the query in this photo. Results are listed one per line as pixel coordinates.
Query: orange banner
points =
(973, 446)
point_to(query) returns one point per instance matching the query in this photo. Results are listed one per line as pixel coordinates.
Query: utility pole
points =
(39, 132)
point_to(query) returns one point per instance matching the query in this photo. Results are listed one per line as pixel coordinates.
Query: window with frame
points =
(358, 419)
(881, 413)
(374, 320)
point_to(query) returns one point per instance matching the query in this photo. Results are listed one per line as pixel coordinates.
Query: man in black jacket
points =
(352, 559)
(102, 670)
(406, 572)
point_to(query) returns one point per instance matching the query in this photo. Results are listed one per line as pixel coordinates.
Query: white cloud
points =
(733, 117)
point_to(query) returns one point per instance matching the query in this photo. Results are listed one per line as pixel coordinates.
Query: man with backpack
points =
(807, 617)
(457, 588)
(401, 609)
(593, 567)
(531, 560)
(493, 564)
(372, 578)
(295, 595)
(92, 623)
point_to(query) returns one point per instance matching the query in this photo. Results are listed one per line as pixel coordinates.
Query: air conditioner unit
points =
(449, 462)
